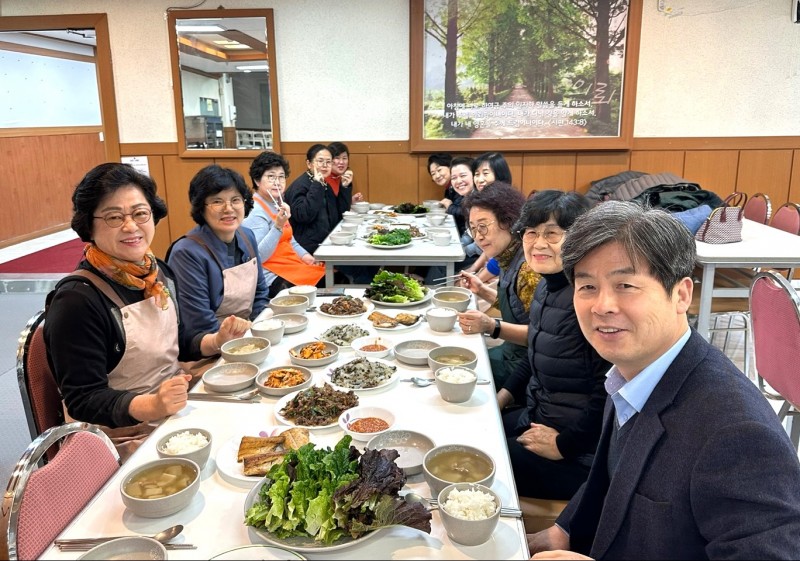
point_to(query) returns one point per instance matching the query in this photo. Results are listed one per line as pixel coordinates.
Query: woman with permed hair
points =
(285, 262)
(217, 262)
(112, 332)
(492, 213)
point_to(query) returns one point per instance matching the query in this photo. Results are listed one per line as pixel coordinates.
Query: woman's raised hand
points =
(347, 179)
(284, 213)
(471, 282)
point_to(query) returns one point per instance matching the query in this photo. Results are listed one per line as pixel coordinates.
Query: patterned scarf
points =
(130, 275)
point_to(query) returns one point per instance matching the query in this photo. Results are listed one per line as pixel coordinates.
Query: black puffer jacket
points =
(564, 375)
(314, 213)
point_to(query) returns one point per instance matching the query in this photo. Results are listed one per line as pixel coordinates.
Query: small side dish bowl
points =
(451, 356)
(294, 323)
(414, 351)
(342, 238)
(283, 375)
(455, 383)
(469, 512)
(457, 463)
(451, 299)
(360, 208)
(366, 422)
(291, 304)
(307, 290)
(348, 227)
(376, 206)
(246, 349)
(372, 346)
(193, 444)
(331, 350)
(129, 547)
(230, 376)
(436, 219)
(170, 484)
(412, 447)
(270, 329)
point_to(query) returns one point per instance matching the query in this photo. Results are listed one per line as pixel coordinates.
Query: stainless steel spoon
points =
(412, 498)
(163, 536)
(424, 382)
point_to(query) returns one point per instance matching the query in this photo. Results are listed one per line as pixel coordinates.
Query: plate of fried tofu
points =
(245, 459)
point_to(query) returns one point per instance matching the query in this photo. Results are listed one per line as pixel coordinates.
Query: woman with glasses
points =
(559, 389)
(285, 262)
(492, 213)
(315, 210)
(112, 332)
(217, 262)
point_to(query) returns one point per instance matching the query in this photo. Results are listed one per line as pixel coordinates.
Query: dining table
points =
(214, 519)
(761, 246)
(422, 251)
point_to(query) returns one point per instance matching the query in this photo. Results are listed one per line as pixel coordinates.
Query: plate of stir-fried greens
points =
(322, 499)
(317, 407)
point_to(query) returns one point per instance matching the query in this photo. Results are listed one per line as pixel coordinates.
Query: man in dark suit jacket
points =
(692, 462)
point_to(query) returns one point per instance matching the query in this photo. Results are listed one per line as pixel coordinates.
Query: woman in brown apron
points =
(217, 262)
(285, 262)
(112, 331)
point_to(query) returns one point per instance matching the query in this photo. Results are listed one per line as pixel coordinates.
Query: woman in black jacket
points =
(552, 436)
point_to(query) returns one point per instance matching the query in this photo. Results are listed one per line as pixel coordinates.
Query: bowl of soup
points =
(160, 487)
(246, 349)
(457, 463)
(291, 304)
(451, 299)
(450, 356)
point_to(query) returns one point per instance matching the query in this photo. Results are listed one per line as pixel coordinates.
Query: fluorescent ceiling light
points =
(236, 46)
(190, 28)
(253, 67)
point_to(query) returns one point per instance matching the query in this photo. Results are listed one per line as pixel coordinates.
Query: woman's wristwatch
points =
(496, 333)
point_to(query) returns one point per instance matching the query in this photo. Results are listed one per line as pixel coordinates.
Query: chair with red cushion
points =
(758, 208)
(40, 502)
(787, 218)
(775, 319)
(38, 389)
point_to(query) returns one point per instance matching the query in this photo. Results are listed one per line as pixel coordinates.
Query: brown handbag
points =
(724, 224)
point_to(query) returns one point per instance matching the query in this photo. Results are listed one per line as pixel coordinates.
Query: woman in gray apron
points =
(113, 331)
(492, 213)
(217, 263)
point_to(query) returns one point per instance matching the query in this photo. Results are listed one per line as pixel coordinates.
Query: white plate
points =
(378, 246)
(254, 552)
(232, 471)
(281, 403)
(367, 303)
(390, 208)
(383, 384)
(299, 543)
(347, 347)
(400, 327)
(425, 300)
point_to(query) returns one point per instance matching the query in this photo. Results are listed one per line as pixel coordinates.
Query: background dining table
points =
(214, 520)
(421, 252)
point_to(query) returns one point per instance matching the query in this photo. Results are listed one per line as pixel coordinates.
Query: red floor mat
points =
(62, 258)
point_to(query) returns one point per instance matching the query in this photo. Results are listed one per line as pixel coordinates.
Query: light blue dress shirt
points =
(630, 397)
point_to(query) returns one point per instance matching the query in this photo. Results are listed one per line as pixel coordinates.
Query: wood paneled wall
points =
(37, 177)
(37, 192)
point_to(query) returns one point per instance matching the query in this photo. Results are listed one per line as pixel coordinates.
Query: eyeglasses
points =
(219, 205)
(117, 219)
(323, 163)
(550, 236)
(482, 229)
(275, 178)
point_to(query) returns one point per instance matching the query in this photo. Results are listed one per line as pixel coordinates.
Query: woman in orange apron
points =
(285, 262)
(112, 331)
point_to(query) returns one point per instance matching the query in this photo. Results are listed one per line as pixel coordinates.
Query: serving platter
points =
(425, 300)
(368, 304)
(394, 376)
(282, 402)
(379, 246)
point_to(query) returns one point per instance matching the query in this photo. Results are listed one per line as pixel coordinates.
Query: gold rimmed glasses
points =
(550, 236)
(219, 205)
(482, 229)
(117, 219)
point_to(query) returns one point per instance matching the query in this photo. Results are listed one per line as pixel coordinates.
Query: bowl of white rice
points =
(455, 383)
(469, 512)
(193, 444)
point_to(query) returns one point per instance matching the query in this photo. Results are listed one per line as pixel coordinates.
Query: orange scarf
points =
(130, 275)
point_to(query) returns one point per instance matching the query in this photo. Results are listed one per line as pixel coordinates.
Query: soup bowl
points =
(457, 463)
(291, 304)
(452, 299)
(449, 356)
(160, 487)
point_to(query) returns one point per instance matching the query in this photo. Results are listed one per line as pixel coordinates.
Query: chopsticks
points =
(456, 276)
(86, 546)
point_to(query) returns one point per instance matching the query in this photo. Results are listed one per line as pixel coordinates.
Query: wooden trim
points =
(355, 147)
(594, 143)
(718, 143)
(149, 149)
(40, 51)
(47, 131)
(34, 235)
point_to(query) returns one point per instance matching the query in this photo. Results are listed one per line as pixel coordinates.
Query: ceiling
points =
(227, 45)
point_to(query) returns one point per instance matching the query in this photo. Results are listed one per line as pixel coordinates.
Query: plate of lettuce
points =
(396, 290)
(322, 499)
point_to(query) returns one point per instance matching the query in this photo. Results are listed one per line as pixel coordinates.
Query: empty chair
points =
(775, 320)
(39, 503)
(38, 389)
(787, 218)
(758, 208)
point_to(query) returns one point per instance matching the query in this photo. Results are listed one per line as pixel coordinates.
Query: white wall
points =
(710, 68)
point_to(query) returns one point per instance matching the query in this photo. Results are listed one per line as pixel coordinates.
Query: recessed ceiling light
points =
(192, 28)
(253, 67)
